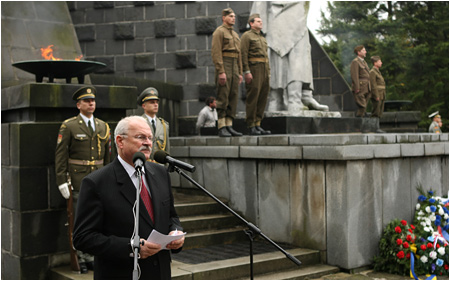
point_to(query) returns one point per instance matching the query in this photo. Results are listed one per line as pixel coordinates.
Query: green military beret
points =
(227, 11)
(148, 94)
(84, 93)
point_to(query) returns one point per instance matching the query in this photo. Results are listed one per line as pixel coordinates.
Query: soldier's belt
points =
(230, 55)
(85, 162)
(258, 60)
(363, 81)
(381, 87)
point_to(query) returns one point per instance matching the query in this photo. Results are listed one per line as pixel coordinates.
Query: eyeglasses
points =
(142, 138)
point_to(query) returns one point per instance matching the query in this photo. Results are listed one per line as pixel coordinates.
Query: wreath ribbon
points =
(413, 275)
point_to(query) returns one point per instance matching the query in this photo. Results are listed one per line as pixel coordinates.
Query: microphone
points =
(138, 160)
(163, 158)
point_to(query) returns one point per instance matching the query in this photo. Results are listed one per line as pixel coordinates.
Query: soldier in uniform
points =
(255, 63)
(83, 146)
(359, 71)
(378, 87)
(149, 101)
(226, 56)
(435, 126)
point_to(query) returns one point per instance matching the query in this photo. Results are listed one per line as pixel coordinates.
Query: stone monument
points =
(291, 81)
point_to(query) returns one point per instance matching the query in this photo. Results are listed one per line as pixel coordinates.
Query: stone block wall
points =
(334, 193)
(170, 41)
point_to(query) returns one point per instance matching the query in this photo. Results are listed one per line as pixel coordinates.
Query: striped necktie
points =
(145, 196)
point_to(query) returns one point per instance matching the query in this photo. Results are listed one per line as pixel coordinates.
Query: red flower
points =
(401, 255)
(408, 237)
(429, 245)
(423, 247)
(413, 227)
(406, 245)
(410, 230)
(438, 246)
(399, 241)
(446, 266)
(398, 229)
(408, 256)
(403, 222)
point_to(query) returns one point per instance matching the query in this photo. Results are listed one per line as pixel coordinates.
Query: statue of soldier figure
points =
(291, 79)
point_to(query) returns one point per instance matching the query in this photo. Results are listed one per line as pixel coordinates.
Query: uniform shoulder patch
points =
(162, 120)
(70, 119)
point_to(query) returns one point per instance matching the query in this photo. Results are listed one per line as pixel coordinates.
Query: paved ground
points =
(371, 275)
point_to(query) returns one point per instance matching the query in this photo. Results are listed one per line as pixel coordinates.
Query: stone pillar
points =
(34, 235)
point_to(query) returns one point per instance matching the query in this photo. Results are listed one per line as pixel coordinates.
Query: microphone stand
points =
(135, 240)
(252, 230)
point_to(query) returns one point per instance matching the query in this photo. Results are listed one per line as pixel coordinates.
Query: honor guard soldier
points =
(435, 126)
(83, 146)
(226, 56)
(255, 62)
(359, 71)
(149, 101)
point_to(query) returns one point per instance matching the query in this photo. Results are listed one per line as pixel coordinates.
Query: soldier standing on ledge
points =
(149, 101)
(359, 71)
(435, 126)
(226, 56)
(255, 62)
(83, 146)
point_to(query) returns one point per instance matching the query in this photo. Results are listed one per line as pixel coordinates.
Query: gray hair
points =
(124, 124)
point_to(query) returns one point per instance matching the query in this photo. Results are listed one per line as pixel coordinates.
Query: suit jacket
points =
(359, 71)
(104, 221)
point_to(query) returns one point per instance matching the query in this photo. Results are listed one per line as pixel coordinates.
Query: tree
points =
(412, 40)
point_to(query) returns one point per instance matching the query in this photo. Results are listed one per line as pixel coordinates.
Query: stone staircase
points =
(216, 247)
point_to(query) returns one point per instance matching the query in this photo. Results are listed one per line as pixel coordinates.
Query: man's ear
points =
(119, 141)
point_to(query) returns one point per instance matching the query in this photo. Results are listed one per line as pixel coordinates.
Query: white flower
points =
(420, 213)
(441, 251)
(427, 209)
(432, 217)
(417, 206)
(427, 221)
(423, 224)
(441, 211)
(423, 259)
(427, 229)
(446, 217)
(433, 255)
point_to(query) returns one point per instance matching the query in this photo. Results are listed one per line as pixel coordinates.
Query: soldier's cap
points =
(148, 94)
(253, 17)
(227, 11)
(434, 114)
(84, 93)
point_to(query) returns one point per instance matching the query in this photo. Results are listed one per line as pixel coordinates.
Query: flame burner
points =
(59, 69)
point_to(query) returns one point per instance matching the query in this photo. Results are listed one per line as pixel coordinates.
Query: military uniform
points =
(160, 135)
(435, 128)
(378, 87)
(226, 56)
(79, 152)
(359, 71)
(160, 129)
(255, 60)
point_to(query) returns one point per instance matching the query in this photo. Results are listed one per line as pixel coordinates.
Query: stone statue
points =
(291, 80)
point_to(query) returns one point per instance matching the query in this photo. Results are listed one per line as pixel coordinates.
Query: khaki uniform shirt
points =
(359, 71)
(160, 136)
(253, 49)
(225, 40)
(377, 84)
(75, 142)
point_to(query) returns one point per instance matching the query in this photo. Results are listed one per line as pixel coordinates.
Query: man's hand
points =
(222, 79)
(248, 78)
(148, 249)
(177, 243)
(64, 189)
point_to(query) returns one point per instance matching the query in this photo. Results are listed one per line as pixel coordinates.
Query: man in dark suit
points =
(104, 221)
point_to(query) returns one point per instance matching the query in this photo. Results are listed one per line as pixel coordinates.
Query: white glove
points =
(64, 189)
